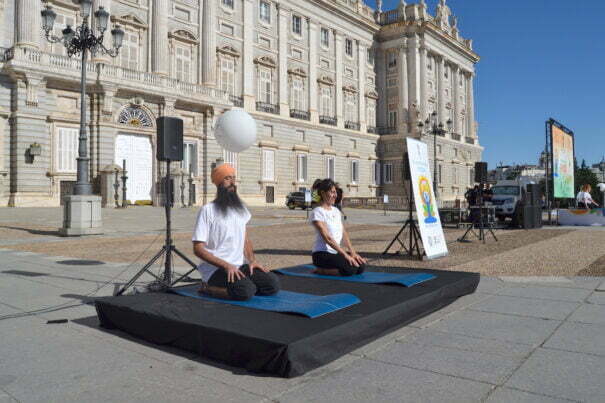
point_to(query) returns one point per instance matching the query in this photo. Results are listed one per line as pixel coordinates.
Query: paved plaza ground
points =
(533, 331)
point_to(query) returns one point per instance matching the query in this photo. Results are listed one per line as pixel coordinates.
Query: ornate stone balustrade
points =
(60, 66)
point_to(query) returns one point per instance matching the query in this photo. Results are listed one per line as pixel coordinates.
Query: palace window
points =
(183, 64)
(325, 38)
(371, 112)
(297, 94)
(268, 165)
(297, 25)
(265, 12)
(330, 167)
(301, 168)
(375, 173)
(230, 158)
(350, 108)
(265, 86)
(129, 52)
(326, 103)
(189, 162)
(227, 77)
(349, 47)
(354, 171)
(387, 173)
(66, 149)
(391, 60)
(392, 118)
(227, 3)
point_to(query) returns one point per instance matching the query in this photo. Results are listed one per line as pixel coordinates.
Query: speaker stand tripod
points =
(412, 247)
(480, 222)
(166, 280)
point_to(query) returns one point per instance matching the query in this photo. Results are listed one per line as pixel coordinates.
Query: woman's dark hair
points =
(324, 186)
(338, 194)
(316, 183)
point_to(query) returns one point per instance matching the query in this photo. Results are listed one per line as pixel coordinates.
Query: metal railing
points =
(328, 120)
(5, 54)
(372, 129)
(266, 107)
(455, 136)
(237, 101)
(352, 125)
(469, 140)
(389, 17)
(298, 114)
(387, 130)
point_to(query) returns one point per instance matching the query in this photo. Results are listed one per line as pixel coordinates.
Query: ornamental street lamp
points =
(77, 42)
(436, 129)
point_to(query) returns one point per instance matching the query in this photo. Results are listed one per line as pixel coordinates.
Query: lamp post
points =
(436, 129)
(80, 41)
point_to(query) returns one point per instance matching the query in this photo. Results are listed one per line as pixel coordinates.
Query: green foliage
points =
(586, 176)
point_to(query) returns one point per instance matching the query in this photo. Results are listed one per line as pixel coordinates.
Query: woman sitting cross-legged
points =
(328, 256)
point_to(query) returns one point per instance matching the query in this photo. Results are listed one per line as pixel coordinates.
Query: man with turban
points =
(229, 268)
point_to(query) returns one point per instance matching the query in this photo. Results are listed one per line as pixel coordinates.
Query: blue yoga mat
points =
(371, 277)
(308, 305)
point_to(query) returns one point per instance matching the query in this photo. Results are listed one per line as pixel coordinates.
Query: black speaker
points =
(534, 190)
(170, 139)
(481, 172)
(529, 220)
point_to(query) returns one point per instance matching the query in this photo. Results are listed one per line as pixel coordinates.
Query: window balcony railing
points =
(266, 107)
(328, 120)
(470, 140)
(237, 101)
(298, 114)
(372, 129)
(5, 54)
(387, 130)
(456, 136)
(351, 125)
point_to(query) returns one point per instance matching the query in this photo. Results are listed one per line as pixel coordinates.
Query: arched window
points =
(135, 116)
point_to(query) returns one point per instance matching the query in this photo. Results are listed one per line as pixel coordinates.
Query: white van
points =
(507, 194)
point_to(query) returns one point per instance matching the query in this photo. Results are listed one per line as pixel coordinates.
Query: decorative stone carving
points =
(228, 50)
(326, 80)
(349, 88)
(265, 61)
(183, 35)
(372, 94)
(297, 72)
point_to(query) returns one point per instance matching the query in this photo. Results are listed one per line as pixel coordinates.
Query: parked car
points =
(296, 199)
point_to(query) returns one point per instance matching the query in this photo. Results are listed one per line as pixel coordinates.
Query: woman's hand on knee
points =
(233, 273)
(351, 260)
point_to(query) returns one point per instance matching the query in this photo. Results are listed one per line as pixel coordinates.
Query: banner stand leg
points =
(412, 248)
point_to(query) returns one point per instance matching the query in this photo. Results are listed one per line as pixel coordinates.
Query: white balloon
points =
(601, 187)
(235, 130)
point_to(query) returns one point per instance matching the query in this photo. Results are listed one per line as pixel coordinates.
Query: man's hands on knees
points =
(233, 273)
(255, 265)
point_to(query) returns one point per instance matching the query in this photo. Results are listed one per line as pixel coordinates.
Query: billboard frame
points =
(550, 198)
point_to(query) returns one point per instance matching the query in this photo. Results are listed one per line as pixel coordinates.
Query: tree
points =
(585, 176)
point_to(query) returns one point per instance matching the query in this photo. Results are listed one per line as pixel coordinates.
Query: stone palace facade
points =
(334, 85)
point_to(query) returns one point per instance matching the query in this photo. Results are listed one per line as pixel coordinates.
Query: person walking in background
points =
(584, 199)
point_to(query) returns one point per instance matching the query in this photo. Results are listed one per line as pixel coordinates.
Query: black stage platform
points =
(282, 344)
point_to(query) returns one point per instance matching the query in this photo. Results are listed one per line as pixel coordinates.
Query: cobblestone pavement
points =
(533, 331)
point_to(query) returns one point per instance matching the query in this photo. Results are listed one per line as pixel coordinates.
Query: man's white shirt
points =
(224, 236)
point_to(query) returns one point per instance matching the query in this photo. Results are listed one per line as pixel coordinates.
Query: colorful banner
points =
(424, 198)
(562, 163)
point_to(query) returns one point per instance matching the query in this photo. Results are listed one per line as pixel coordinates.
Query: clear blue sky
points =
(539, 59)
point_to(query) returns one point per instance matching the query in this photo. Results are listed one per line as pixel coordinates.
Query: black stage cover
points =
(283, 344)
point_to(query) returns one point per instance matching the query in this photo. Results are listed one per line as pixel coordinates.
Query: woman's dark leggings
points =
(327, 260)
(259, 283)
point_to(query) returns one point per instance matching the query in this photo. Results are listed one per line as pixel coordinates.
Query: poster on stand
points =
(427, 212)
(562, 163)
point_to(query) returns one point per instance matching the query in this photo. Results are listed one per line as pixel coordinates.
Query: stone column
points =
(248, 58)
(313, 94)
(159, 28)
(362, 61)
(414, 100)
(403, 87)
(423, 90)
(440, 61)
(199, 71)
(209, 43)
(284, 107)
(381, 85)
(338, 88)
(470, 105)
(28, 23)
(455, 102)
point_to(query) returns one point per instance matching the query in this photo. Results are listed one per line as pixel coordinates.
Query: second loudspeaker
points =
(169, 139)
(481, 172)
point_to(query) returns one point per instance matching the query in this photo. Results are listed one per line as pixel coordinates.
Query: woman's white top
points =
(333, 221)
(584, 197)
